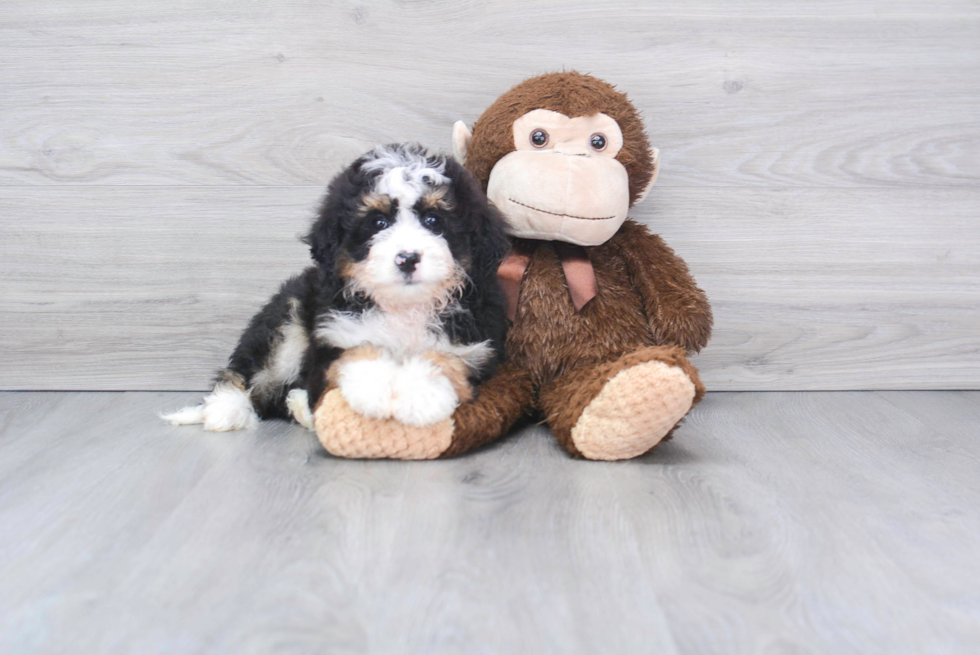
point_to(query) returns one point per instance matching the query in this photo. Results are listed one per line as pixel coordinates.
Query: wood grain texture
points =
(773, 522)
(148, 288)
(772, 94)
(821, 165)
(140, 288)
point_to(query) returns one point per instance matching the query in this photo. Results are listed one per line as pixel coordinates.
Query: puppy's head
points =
(407, 228)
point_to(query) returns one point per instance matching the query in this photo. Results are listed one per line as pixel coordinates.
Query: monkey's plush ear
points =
(461, 141)
(655, 163)
(328, 229)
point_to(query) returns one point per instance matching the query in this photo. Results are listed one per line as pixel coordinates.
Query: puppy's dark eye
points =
(432, 221)
(598, 142)
(380, 223)
(539, 138)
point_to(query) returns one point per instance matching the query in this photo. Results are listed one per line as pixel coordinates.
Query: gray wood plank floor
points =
(774, 522)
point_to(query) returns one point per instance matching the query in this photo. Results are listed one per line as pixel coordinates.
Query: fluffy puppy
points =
(402, 311)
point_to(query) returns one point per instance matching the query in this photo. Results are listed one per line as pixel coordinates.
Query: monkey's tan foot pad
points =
(633, 412)
(345, 433)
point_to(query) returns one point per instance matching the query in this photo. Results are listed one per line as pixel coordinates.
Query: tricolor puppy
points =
(402, 311)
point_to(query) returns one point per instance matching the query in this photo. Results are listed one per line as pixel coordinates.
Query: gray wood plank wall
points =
(821, 168)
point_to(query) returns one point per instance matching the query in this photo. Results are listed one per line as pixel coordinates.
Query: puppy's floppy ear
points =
(327, 231)
(324, 237)
(489, 239)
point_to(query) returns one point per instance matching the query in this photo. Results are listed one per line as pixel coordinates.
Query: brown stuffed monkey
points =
(603, 312)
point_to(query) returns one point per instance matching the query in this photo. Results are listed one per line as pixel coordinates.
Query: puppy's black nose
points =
(407, 261)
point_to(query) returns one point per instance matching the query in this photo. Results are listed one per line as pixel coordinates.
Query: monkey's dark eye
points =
(432, 222)
(539, 138)
(380, 223)
(598, 142)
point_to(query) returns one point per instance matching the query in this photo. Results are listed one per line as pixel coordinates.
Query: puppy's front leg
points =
(427, 389)
(366, 376)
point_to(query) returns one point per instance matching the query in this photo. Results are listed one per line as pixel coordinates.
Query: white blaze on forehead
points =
(406, 173)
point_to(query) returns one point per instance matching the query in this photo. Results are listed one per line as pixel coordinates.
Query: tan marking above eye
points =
(375, 202)
(436, 199)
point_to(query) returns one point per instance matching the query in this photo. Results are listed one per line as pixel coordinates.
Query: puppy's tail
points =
(227, 407)
(187, 416)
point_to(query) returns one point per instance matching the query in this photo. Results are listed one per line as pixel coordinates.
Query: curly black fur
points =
(474, 231)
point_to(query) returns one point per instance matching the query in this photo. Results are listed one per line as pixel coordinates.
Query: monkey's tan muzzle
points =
(549, 195)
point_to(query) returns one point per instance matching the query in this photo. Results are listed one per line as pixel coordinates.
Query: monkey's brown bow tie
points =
(575, 264)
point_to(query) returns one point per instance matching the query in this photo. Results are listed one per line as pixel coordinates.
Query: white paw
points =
(422, 395)
(366, 385)
(226, 408)
(298, 404)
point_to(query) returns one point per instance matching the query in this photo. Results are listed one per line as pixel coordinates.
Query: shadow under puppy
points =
(402, 312)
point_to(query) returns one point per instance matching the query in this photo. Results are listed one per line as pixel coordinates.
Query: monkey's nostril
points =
(407, 261)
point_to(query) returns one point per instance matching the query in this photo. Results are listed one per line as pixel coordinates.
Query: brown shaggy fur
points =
(632, 270)
(648, 307)
(573, 95)
(504, 399)
(565, 398)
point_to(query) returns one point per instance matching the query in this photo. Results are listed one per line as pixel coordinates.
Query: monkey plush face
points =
(562, 181)
(563, 156)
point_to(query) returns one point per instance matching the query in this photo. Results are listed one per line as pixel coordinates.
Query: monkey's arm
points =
(677, 310)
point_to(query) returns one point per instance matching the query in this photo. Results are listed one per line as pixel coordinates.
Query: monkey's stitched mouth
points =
(545, 211)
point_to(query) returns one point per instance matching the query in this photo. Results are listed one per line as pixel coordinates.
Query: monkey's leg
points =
(501, 402)
(621, 409)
